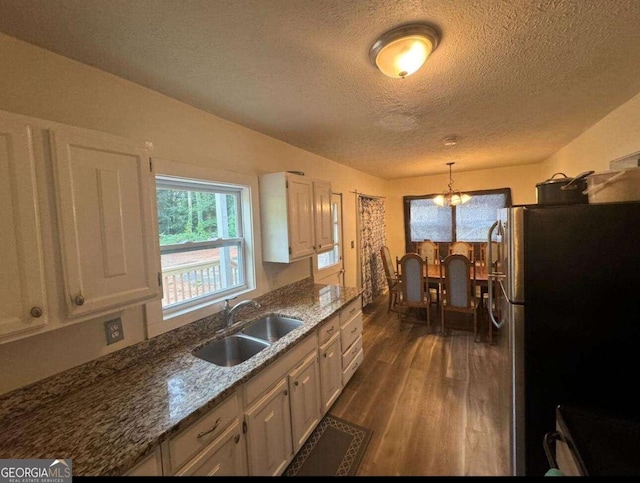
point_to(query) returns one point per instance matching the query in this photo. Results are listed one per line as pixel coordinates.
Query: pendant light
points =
(451, 197)
(402, 51)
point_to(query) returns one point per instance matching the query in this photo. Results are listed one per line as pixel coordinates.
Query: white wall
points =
(38, 83)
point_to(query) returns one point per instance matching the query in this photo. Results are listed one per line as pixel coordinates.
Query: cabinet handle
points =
(286, 393)
(79, 300)
(354, 330)
(330, 330)
(325, 355)
(237, 438)
(36, 312)
(204, 433)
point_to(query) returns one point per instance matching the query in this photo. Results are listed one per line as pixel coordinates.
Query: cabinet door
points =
(104, 209)
(323, 219)
(269, 432)
(226, 456)
(300, 214)
(22, 285)
(305, 400)
(150, 466)
(330, 372)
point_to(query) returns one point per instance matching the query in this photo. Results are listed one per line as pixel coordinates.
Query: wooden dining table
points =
(482, 274)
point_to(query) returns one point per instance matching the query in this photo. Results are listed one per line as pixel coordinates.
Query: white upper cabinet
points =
(294, 214)
(322, 216)
(103, 186)
(22, 284)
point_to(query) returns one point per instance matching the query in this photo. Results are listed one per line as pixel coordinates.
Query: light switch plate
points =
(113, 330)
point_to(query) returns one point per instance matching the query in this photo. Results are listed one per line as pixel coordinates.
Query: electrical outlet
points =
(113, 330)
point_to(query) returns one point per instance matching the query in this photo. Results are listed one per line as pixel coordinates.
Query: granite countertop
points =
(108, 414)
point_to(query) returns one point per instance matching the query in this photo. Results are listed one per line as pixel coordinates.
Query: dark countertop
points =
(108, 414)
(602, 444)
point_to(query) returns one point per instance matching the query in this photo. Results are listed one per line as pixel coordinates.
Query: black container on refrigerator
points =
(568, 292)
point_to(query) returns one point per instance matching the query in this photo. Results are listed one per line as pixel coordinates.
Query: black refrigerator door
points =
(582, 323)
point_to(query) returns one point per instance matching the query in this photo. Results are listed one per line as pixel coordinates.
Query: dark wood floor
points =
(430, 400)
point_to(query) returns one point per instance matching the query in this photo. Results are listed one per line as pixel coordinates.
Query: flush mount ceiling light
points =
(402, 51)
(451, 197)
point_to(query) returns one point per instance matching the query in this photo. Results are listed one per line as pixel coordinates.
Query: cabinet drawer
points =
(351, 331)
(197, 436)
(349, 371)
(350, 353)
(350, 310)
(328, 329)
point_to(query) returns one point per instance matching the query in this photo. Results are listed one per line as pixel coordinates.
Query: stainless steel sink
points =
(272, 327)
(231, 351)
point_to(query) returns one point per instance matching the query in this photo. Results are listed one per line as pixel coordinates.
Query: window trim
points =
(407, 211)
(159, 322)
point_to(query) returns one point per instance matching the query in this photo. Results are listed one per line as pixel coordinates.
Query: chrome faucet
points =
(230, 311)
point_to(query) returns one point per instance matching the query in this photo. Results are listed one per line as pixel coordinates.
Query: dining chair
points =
(413, 293)
(393, 281)
(458, 276)
(430, 252)
(461, 248)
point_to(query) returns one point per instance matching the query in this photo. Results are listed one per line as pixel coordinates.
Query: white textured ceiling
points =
(514, 80)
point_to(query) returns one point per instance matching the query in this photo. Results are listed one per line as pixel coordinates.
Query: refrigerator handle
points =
(491, 276)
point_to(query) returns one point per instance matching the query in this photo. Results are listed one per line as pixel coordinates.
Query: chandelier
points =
(451, 197)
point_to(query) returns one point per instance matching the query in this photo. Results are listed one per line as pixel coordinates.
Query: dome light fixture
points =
(402, 51)
(451, 197)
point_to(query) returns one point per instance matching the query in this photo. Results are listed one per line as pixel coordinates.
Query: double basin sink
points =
(257, 336)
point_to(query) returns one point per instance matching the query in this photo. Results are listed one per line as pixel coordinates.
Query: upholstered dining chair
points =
(458, 276)
(430, 252)
(461, 248)
(412, 286)
(393, 281)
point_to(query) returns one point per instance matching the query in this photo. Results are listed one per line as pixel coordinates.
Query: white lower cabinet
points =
(225, 456)
(213, 445)
(351, 339)
(304, 384)
(269, 432)
(330, 372)
(283, 408)
(149, 466)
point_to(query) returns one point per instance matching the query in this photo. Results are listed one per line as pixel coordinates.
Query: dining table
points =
(482, 274)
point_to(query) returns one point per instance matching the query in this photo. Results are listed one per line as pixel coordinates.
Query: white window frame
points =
(185, 184)
(158, 320)
(338, 267)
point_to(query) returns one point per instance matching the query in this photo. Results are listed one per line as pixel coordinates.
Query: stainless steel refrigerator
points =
(565, 294)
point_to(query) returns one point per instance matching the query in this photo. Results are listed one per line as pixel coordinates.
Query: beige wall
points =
(41, 84)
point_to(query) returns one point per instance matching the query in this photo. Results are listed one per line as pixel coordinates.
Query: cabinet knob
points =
(79, 300)
(325, 355)
(237, 438)
(296, 383)
(36, 312)
(286, 393)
